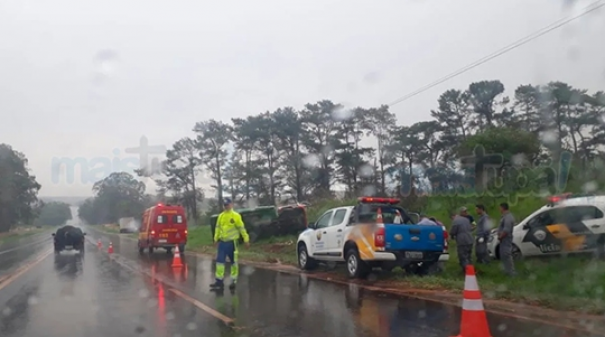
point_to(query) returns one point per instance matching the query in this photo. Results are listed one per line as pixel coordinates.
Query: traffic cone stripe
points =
(472, 305)
(472, 294)
(470, 283)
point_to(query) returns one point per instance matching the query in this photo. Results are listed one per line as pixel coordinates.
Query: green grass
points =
(18, 235)
(276, 249)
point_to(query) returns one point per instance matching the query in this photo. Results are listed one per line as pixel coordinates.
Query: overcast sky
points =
(87, 79)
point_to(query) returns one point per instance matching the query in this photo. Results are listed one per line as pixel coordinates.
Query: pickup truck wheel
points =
(356, 267)
(304, 261)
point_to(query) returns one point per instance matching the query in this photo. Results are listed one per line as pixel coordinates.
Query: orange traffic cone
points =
(110, 248)
(176, 261)
(99, 244)
(474, 320)
(379, 216)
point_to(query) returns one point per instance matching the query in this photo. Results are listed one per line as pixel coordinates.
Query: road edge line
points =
(9, 279)
(209, 310)
(227, 320)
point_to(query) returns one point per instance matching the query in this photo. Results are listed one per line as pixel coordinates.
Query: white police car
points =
(567, 224)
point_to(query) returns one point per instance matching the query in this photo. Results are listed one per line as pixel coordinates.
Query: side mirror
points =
(312, 225)
(84, 233)
(53, 234)
(526, 226)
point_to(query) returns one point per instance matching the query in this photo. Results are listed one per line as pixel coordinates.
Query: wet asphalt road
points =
(13, 253)
(95, 296)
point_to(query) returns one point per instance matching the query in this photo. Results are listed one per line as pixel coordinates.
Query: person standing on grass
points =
(229, 228)
(483, 230)
(505, 236)
(462, 233)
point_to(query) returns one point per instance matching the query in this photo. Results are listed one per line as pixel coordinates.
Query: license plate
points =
(68, 247)
(414, 255)
(162, 241)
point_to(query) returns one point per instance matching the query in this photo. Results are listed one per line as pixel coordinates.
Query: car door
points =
(533, 237)
(334, 232)
(318, 238)
(581, 228)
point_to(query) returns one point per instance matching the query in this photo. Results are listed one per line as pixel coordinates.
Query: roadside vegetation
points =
(20, 233)
(477, 146)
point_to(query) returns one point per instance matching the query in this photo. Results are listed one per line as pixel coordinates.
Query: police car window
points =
(580, 213)
(542, 219)
(339, 217)
(324, 221)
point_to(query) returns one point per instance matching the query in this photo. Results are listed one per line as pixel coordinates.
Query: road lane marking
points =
(24, 246)
(23, 269)
(212, 312)
(227, 320)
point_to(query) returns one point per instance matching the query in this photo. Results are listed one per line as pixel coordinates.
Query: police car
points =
(567, 224)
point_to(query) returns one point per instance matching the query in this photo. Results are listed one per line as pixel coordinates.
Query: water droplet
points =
(7, 311)
(144, 293)
(366, 171)
(502, 327)
(32, 300)
(421, 314)
(369, 190)
(170, 315)
(549, 137)
(341, 113)
(311, 161)
(590, 187)
(191, 326)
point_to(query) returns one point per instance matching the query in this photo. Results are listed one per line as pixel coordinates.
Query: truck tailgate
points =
(413, 237)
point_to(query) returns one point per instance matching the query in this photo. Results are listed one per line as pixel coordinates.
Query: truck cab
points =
(374, 233)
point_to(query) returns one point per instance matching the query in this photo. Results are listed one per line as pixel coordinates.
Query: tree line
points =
(303, 154)
(19, 203)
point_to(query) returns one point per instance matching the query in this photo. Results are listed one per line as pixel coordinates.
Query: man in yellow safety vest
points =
(229, 228)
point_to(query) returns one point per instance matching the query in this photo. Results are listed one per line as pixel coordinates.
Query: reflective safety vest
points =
(229, 227)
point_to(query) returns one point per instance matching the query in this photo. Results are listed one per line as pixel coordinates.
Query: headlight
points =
(490, 238)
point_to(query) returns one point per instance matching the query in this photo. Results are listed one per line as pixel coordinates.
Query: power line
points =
(555, 25)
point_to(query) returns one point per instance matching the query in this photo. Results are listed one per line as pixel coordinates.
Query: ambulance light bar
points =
(372, 200)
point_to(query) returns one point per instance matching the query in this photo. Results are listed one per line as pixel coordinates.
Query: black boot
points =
(232, 286)
(217, 285)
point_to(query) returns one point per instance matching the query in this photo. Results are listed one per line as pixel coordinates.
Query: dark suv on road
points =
(68, 238)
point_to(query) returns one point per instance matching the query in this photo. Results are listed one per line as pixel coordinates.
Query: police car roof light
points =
(390, 201)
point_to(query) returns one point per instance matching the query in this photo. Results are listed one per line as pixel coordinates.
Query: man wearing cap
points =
(229, 228)
(461, 232)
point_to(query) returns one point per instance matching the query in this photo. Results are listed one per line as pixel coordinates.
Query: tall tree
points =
(213, 137)
(18, 189)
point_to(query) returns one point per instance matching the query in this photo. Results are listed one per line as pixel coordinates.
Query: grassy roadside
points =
(274, 250)
(19, 234)
(574, 283)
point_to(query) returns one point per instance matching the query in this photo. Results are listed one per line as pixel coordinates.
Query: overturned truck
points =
(268, 221)
(68, 238)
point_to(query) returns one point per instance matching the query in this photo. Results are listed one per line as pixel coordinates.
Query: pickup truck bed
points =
(414, 242)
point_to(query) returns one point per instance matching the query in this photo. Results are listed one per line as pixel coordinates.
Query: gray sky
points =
(86, 79)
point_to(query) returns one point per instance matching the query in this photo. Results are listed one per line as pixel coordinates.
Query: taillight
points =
(152, 233)
(445, 237)
(379, 238)
(185, 232)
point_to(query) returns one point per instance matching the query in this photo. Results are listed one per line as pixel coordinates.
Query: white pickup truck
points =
(374, 233)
